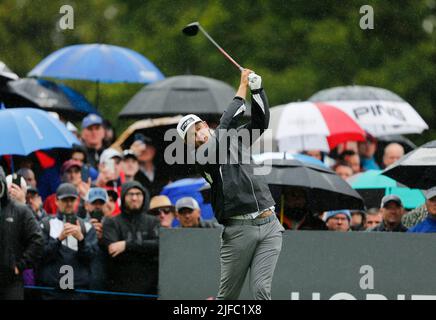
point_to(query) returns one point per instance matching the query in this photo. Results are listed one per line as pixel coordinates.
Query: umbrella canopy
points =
(325, 190)
(383, 141)
(377, 110)
(180, 95)
(417, 169)
(373, 186)
(398, 138)
(46, 95)
(156, 129)
(286, 155)
(99, 63)
(307, 126)
(24, 130)
(6, 74)
(153, 128)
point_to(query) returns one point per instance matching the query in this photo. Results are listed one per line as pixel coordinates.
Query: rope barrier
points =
(128, 294)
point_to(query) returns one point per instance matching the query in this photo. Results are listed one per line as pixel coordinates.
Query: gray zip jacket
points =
(235, 189)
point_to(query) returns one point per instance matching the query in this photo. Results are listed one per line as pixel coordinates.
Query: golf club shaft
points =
(220, 49)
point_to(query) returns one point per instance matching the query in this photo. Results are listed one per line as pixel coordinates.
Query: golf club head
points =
(191, 29)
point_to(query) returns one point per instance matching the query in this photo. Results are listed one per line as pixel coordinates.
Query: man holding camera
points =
(21, 243)
(69, 241)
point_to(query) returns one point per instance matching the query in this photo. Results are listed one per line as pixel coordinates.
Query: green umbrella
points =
(372, 186)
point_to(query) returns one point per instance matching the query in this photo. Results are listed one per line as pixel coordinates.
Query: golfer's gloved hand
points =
(254, 81)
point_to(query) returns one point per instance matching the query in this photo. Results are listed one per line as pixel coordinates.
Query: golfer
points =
(252, 237)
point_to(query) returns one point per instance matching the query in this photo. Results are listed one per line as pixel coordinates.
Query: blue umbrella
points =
(98, 63)
(80, 103)
(25, 130)
(189, 187)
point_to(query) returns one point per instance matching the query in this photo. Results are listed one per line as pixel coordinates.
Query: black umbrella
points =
(417, 169)
(398, 138)
(348, 93)
(6, 74)
(383, 141)
(180, 95)
(325, 189)
(46, 95)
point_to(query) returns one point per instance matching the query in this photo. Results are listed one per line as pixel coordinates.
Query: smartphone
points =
(97, 215)
(71, 218)
(85, 173)
(16, 179)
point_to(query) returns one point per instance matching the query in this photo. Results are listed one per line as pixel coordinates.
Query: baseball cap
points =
(390, 198)
(66, 190)
(185, 123)
(187, 202)
(97, 194)
(430, 193)
(129, 154)
(330, 214)
(69, 164)
(91, 120)
(109, 154)
(145, 139)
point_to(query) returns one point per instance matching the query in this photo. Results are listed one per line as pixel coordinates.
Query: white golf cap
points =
(187, 202)
(430, 193)
(109, 154)
(185, 123)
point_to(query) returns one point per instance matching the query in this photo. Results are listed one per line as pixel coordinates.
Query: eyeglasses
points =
(134, 194)
(158, 211)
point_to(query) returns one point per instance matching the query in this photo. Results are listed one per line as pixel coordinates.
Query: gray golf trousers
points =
(252, 245)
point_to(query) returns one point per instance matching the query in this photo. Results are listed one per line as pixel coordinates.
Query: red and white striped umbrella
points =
(303, 126)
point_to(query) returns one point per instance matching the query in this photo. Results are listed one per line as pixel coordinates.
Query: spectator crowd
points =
(100, 211)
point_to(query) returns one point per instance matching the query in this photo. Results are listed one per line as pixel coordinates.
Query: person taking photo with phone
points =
(68, 241)
(97, 209)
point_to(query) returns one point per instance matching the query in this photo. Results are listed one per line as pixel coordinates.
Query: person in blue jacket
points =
(428, 225)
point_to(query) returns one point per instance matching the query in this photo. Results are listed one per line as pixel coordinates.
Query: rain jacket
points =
(21, 242)
(136, 269)
(235, 189)
(77, 254)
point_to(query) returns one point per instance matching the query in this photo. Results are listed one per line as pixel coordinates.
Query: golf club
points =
(192, 30)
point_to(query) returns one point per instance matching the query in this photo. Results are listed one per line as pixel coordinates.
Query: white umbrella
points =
(378, 111)
(6, 73)
(303, 126)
